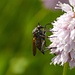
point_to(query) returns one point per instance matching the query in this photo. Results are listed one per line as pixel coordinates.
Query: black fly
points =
(39, 39)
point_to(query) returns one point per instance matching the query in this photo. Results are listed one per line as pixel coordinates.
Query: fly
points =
(39, 39)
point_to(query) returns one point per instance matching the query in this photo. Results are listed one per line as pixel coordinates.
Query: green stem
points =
(65, 69)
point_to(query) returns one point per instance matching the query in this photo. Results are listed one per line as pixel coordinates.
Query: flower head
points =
(63, 37)
(50, 4)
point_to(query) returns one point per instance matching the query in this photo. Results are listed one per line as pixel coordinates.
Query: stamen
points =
(58, 5)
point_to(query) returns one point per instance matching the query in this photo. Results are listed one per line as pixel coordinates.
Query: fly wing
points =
(34, 46)
(40, 45)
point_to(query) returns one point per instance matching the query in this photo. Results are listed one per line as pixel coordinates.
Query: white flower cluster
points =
(63, 37)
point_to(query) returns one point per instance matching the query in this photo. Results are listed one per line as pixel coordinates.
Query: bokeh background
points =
(17, 20)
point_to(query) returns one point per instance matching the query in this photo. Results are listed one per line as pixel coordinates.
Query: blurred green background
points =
(17, 20)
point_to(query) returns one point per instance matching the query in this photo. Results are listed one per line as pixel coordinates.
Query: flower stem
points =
(65, 69)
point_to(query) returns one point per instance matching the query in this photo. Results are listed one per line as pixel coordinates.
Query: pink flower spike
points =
(64, 42)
